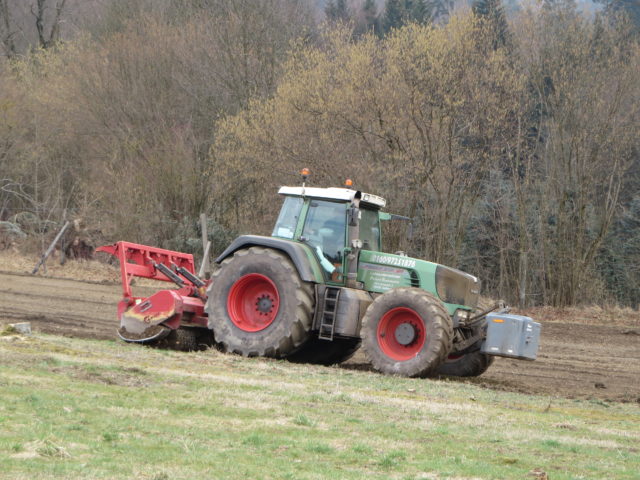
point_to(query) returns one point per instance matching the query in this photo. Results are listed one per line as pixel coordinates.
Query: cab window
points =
(370, 229)
(288, 218)
(325, 227)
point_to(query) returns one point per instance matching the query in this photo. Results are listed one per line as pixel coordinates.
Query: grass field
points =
(72, 408)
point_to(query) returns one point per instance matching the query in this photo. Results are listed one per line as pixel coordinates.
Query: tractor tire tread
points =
(471, 364)
(440, 335)
(231, 339)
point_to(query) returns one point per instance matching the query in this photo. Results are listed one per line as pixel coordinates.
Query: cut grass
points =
(73, 408)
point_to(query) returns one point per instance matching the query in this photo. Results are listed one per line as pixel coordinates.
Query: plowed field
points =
(576, 360)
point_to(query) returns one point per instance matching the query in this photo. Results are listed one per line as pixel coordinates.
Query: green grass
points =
(74, 408)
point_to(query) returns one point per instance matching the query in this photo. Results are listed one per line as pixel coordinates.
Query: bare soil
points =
(576, 360)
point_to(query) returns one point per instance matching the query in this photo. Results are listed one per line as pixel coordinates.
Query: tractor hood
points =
(382, 271)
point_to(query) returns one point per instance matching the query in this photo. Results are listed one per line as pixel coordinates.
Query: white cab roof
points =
(333, 194)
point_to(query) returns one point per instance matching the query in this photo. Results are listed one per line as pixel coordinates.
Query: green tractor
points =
(319, 288)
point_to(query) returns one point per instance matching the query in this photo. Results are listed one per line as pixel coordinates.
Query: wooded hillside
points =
(513, 140)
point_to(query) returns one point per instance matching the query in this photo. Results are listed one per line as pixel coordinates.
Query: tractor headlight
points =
(460, 317)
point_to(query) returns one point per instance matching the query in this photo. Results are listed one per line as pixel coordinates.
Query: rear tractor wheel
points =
(258, 305)
(408, 332)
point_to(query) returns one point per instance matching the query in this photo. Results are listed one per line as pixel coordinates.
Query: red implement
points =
(145, 319)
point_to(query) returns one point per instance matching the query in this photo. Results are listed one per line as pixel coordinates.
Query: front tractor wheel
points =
(471, 364)
(407, 331)
(258, 305)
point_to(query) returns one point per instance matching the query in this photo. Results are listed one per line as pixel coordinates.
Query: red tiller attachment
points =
(144, 320)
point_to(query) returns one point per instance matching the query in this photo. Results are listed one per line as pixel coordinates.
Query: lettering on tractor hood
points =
(395, 261)
(381, 278)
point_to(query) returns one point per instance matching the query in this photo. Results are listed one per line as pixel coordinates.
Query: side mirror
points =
(353, 216)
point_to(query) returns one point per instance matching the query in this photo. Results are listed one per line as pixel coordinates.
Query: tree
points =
(585, 124)
(492, 13)
(46, 36)
(370, 16)
(619, 260)
(419, 11)
(615, 9)
(401, 115)
(393, 16)
(7, 29)
(441, 8)
(400, 12)
(337, 10)
(117, 126)
(24, 25)
(560, 6)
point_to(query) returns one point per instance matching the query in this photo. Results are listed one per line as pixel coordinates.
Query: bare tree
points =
(25, 24)
(48, 36)
(7, 31)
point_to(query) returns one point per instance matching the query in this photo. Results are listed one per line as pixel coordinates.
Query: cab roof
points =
(332, 193)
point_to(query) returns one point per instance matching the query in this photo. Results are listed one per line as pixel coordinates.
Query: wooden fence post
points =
(205, 267)
(50, 249)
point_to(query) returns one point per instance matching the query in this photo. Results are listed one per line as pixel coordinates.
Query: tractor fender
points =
(301, 255)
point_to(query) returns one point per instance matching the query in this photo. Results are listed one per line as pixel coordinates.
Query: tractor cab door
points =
(325, 229)
(369, 229)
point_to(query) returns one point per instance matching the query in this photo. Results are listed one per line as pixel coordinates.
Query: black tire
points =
(429, 337)
(289, 323)
(324, 352)
(471, 364)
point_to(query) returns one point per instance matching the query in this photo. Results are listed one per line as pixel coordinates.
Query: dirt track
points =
(575, 360)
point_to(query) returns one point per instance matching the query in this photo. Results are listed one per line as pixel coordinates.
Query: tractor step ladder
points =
(329, 311)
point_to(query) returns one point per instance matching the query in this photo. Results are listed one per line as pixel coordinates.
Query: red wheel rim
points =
(401, 334)
(253, 302)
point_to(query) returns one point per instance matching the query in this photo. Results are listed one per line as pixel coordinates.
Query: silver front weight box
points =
(513, 336)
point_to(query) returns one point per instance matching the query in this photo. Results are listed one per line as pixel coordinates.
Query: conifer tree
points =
(566, 6)
(393, 13)
(629, 8)
(440, 8)
(492, 12)
(370, 16)
(420, 11)
(337, 10)
(400, 12)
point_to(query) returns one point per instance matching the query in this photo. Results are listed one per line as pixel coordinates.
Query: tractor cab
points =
(328, 220)
(343, 228)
